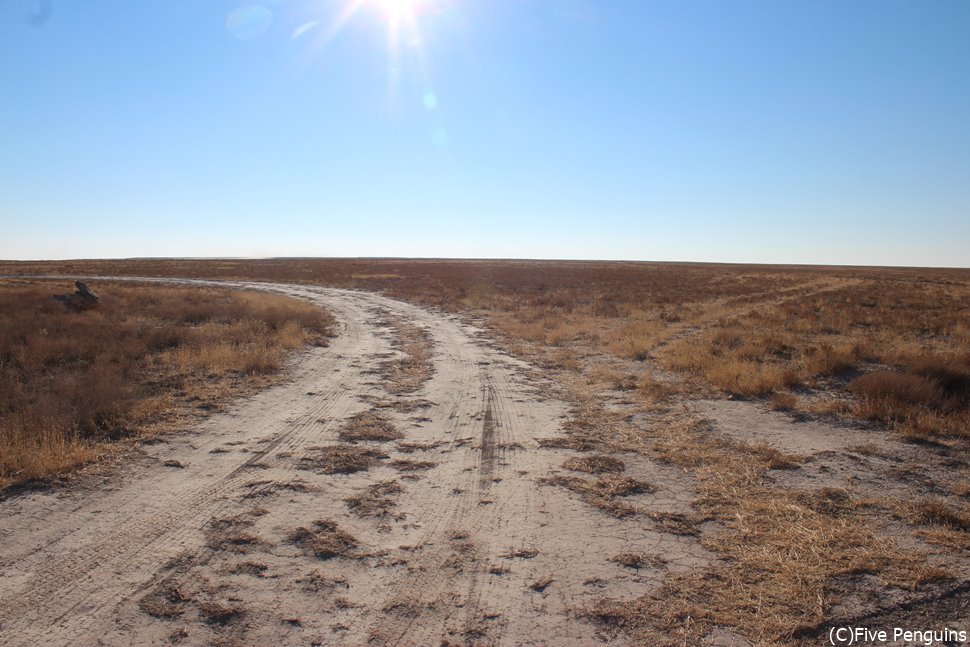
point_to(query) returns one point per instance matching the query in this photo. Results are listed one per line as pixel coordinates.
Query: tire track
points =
(96, 565)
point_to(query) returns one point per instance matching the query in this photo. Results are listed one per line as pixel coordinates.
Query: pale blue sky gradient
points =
(773, 131)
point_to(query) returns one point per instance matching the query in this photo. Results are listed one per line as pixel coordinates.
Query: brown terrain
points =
(481, 452)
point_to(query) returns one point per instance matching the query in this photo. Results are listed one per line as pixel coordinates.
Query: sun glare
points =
(405, 21)
(396, 9)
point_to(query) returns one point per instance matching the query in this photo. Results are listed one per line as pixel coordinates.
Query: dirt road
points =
(240, 531)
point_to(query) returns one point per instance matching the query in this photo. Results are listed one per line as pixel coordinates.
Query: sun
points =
(405, 22)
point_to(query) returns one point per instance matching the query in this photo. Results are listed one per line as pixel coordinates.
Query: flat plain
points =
(482, 452)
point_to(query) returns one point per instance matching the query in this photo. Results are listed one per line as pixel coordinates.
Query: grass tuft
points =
(369, 426)
(598, 464)
(325, 540)
(341, 459)
(375, 500)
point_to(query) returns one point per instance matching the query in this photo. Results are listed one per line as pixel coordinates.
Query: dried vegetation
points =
(405, 374)
(377, 500)
(369, 426)
(604, 492)
(747, 330)
(74, 380)
(170, 600)
(596, 464)
(340, 459)
(325, 540)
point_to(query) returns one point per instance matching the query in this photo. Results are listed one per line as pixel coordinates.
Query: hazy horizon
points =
(819, 133)
(473, 259)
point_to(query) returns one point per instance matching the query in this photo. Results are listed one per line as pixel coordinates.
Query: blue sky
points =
(775, 131)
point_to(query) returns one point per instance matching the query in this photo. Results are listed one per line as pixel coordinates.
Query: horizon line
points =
(484, 259)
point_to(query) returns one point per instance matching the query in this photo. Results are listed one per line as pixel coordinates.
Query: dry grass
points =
(748, 330)
(255, 569)
(541, 584)
(519, 553)
(597, 464)
(827, 500)
(377, 500)
(772, 458)
(169, 601)
(74, 380)
(325, 540)
(231, 534)
(604, 491)
(216, 613)
(931, 398)
(406, 374)
(638, 560)
(591, 426)
(938, 513)
(783, 401)
(776, 585)
(784, 554)
(677, 523)
(165, 601)
(855, 323)
(340, 459)
(783, 550)
(407, 465)
(411, 447)
(369, 426)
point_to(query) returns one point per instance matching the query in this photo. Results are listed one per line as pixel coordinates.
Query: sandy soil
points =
(193, 542)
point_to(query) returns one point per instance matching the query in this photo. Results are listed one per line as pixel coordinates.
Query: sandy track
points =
(135, 556)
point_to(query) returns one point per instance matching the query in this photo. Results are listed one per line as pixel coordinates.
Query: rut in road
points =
(195, 542)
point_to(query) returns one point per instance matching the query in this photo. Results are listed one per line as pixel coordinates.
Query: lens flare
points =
(404, 22)
(249, 21)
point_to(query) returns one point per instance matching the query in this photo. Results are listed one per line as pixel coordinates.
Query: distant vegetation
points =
(886, 344)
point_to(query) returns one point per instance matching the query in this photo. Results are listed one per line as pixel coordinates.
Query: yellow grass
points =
(74, 381)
